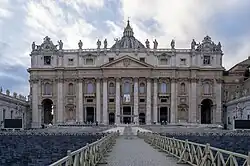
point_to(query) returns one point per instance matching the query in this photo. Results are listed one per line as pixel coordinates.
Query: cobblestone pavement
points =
(135, 152)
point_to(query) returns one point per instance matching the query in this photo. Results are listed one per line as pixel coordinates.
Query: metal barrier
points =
(90, 154)
(195, 154)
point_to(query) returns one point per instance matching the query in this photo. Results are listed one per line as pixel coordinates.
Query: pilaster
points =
(105, 102)
(148, 113)
(173, 101)
(98, 100)
(60, 99)
(192, 111)
(80, 102)
(218, 110)
(35, 110)
(117, 101)
(136, 118)
(155, 99)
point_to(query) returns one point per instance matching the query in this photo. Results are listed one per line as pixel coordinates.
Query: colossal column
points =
(173, 101)
(35, 111)
(105, 102)
(80, 102)
(117, 101)
(192, 111)
(136, 119)
(148, 113)
(218, 110)
(155, 99)
(98, 100)
(60, 98)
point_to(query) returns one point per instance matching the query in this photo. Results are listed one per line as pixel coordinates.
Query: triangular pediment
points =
(126, 62)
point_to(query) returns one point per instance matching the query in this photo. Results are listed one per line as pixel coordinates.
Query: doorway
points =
(47, 111)
(90, 114)
(206, 111)
(163, 114)
(127, 115)
(142, 119)
(111, 118)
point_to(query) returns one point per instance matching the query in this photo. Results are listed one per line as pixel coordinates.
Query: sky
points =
(25, 21)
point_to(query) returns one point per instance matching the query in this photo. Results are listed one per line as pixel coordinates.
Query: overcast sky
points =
(25, 21)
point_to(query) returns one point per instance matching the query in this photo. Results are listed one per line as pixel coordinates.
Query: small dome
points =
(128, 40)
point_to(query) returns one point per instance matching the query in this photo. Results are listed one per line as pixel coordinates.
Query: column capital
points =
(194, 80)
(218, 80)
(148, 79)
(79, 80)
(173, 80)
(117, 79)
(136, 79)
(105, 79)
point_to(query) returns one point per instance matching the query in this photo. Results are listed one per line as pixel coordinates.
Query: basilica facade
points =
(129, 82)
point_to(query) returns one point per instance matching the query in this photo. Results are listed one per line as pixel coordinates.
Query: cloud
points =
(22, 22)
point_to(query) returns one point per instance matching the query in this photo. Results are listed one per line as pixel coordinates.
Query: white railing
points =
(90, 154)
(195, 154)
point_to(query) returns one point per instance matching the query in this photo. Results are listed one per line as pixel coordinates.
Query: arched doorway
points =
(206, 111)
(90, 112)
(163, 114)
(47, 111)
(111, 118)
(142, 118)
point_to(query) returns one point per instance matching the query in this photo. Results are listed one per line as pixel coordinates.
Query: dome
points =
(128, 40)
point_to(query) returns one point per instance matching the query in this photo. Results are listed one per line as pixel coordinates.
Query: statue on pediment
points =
(1, 89)
(47, 45)
(80, 44)
(33, 46)
(172, 44)
(147, 44)
(155, 44)
(105, 43)
(193, 44)
(60, 45)
(15, 94)
(98, 43)
(7, 92)
(219, 47)
(116, 42)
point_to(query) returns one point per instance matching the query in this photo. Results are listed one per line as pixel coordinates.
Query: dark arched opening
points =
(206, 111)
(111, 118)
(142, 118)
(163, 114)
(47, 111)
(90, 111)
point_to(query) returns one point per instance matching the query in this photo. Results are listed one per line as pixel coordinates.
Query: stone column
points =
(60, 99)
(105, 102)
(98, 101)
(117, 101)
(218, 110)
(155, 100)
(136, 113)
(35, 102)
(192, 111)
(148, 113)
(173, 101)
(79, 109)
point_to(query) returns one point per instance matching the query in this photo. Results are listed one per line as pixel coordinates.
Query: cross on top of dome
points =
(128, 31)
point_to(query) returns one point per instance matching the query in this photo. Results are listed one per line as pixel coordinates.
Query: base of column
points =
(36, 125)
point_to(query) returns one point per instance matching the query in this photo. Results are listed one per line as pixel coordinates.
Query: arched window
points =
(183, 88)
(111, 88)
(126, 87)
(47, 89)
(206, 88)
(71, 89)
(142, 88)
(163, 87)
(90, 88)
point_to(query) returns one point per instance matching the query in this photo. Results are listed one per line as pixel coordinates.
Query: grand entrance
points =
(127, 112)
(47, 111)
(206, 111)
(163, 114)
(111, 118)
(90, 114)
(142, 118)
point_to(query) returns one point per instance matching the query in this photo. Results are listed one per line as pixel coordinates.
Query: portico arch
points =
(206, 111)
(47, 106)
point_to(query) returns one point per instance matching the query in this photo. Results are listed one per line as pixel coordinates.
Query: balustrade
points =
(195, 154)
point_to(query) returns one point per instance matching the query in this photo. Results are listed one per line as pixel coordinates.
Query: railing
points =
(195, 154)
(90, 154)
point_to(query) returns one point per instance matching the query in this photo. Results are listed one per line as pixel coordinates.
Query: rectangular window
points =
(207, 60)
(142, 59)
(183, 61)
(163, 61)
(142, 100)
(89, 61)
(111, 59)
(89, 100)
(70, 61)
(47, 60)
(111, 100)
